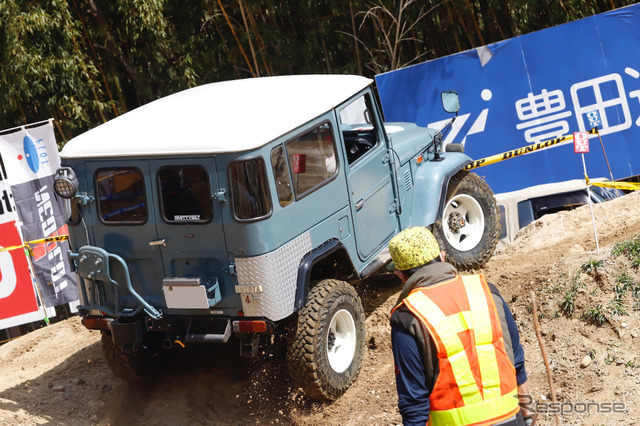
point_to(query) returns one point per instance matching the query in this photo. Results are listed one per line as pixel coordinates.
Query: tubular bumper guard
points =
(92, 264)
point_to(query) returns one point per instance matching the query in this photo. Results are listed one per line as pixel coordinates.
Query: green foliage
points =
(629, 248)
(595, 316)
(45, 71)
(85, 62)
(624, 282)
(567, 304)
(592, 266)
(616, 307)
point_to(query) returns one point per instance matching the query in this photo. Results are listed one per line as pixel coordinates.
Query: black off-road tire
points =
(132, 368)
(469, 228)
(332, 308)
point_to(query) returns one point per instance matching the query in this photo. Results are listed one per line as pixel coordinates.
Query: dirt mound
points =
(588, 302)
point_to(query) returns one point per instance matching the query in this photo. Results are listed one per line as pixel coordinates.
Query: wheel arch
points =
(476, 202)
(431, 182)
(329, 260)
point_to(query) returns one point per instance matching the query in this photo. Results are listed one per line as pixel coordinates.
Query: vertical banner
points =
(17, 295)
(30, 156)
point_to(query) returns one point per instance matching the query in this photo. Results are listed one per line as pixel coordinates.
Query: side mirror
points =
(450, 101)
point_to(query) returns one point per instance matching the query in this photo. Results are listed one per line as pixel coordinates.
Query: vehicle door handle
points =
(359, 205)
(162, 242)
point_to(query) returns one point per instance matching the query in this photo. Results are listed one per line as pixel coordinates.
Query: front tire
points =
(469, 228)
(326, 345)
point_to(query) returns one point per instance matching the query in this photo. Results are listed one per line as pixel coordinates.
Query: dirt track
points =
(57, 375)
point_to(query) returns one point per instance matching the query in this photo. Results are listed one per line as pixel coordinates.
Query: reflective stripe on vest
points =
(484, 387)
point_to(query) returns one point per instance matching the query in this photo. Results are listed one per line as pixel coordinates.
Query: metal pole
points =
(593, 218)
(605, 156)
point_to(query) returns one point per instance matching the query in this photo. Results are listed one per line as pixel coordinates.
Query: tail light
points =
(249, 326)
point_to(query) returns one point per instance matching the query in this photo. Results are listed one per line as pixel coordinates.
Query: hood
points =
(408, 139)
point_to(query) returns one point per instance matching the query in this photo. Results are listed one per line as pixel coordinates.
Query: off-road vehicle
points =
(244, 210)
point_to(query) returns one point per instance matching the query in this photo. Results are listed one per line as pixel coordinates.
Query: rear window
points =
(121, 196)
(558, 202)
(249, 191)
(534, 208)
(186, 194)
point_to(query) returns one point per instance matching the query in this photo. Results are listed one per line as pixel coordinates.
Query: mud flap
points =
(124, 333)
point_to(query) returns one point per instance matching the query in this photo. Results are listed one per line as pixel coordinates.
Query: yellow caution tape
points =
(11, 248)
(521, 151)
(628, 186)
(49, 239)
(28, 244)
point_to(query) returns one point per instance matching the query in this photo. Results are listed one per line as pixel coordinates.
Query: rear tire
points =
(132, 368)
(469, 228)
(326, 344)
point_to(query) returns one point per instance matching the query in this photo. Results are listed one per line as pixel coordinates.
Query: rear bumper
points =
(177, 329)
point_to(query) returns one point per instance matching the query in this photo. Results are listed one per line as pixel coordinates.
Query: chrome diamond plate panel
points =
(277, 273)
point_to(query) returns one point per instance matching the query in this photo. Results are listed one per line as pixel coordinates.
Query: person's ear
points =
(400, 275)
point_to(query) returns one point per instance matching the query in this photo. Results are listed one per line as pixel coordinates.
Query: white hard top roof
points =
(229, 116)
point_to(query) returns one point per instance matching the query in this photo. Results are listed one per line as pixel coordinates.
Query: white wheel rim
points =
(463, 222)
(341, 341)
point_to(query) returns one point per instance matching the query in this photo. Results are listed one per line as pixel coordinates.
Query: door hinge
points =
(393, 208)
(220, 195)
(386, 158)
(231, 269)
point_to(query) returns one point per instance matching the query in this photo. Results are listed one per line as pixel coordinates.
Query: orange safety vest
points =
(476, 384)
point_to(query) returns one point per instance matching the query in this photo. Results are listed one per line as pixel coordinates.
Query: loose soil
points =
(57, 375)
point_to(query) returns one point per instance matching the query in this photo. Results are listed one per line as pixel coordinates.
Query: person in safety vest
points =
(458, 358)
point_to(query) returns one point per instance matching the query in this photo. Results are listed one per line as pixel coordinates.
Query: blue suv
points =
(248, 211)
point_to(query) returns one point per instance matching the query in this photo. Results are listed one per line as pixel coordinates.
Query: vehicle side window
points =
(503, 221)
(121, 196)
(249, 191)
(281, 175)
(185, 194)
(312, 159)
(525, 213)
(358, 128)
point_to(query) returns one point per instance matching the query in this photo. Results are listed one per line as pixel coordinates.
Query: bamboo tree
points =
(253, 72)
(96, 57)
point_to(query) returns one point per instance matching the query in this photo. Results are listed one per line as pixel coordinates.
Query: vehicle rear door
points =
(189, 220)
(125, 223)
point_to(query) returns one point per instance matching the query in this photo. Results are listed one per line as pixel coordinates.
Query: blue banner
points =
(532, 88)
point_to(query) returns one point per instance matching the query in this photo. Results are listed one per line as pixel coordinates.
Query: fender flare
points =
(445, 187)
(433, 184)
(306, 266)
